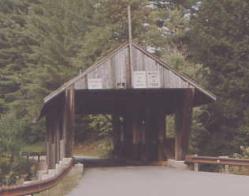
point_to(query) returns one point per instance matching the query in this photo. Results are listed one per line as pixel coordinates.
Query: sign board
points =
(153, 79)
(94, 83)
(139, 79)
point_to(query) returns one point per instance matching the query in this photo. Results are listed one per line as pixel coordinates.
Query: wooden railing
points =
(33, 154)
(196, 160)
(36, 186)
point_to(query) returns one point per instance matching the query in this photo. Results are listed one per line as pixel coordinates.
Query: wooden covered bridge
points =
(138, 90)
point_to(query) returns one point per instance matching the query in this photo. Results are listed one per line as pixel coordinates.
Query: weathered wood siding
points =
(113, 72)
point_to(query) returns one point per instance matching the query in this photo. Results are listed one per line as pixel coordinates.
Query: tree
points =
(219, 40)
(13, 52)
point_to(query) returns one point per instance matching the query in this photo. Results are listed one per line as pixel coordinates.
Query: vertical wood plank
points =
(69, 118)
(135, 134)
(49, 141)
(116, 126)
(161, 135)
(127, 148)
(183, 124)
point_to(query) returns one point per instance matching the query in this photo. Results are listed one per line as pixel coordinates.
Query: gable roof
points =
(163, 64)
(181, 81)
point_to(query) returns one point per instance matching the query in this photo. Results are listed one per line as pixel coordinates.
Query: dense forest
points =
(43, 43)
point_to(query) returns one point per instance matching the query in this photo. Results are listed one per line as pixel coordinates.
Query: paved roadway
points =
(158, 181)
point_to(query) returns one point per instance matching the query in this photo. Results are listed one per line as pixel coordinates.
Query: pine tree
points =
(220, 41)
(13, 52)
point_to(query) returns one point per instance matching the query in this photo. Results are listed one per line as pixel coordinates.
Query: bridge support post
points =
(51, 120)
(183, 120)
(54, 131)
(161, 125)
(49, 141)
(69, 121)
(135, 136)
(117, 128)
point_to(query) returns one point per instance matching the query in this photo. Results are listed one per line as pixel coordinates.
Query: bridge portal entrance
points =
(139, 91)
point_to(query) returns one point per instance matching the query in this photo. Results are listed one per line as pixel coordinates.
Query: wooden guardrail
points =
(196, 160)
(36, 186)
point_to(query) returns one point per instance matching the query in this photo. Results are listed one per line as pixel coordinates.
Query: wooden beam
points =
(151, 134)
(161, 135)
(49, 142)
(116, 130)
(52, 137)
(183, 122)
(143, 140)
(69, 118)
(127, 147)
(135, 134)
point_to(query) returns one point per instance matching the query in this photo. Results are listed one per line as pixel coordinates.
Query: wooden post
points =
(196, 167)
(148, 134)
(143, 140)
(151, 131)
(49, 142)
(69, 120)
(161, 135)
(127, 147)
(135, 135)
(61, 135)
(53, 160)
(154, 135)
(183, 124)
(58, 139)
(116, 129)
(51, 123)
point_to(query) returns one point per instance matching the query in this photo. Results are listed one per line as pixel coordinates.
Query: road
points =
(158, 181)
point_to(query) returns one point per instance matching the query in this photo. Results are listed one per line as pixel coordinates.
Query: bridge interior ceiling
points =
(120, 102)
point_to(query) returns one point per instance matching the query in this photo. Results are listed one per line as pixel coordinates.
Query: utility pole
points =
(130, 43)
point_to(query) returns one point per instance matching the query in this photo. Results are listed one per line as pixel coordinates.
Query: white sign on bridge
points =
(95, 83)
(139, 79)
(153, 79)
(149, 79)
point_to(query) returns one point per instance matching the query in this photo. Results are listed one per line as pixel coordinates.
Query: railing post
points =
(196, 167)
(226, 169)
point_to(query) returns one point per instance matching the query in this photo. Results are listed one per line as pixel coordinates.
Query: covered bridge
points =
(138, 90)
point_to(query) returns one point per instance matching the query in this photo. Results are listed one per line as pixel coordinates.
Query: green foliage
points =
(12, 165)
(244, 153)
(14, 171)
(219, 40)
(102, 123)
(10, 134)
(44, 43)
(170, 126)
(91, 126)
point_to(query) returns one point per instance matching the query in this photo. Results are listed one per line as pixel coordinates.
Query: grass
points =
(94, 147)
(36, 147)
(65, 185)
(100, 147)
